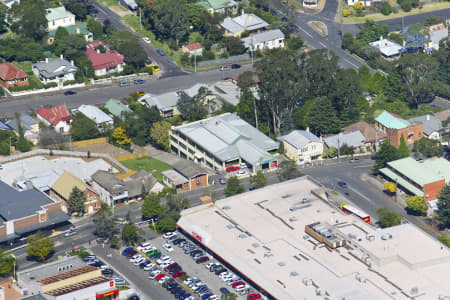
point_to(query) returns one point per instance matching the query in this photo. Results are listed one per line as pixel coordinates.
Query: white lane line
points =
(304, 31)
(362, 166)
(323, 44)
(350, 62)
(362, 196)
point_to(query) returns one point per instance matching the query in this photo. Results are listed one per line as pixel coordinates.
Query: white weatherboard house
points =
(101, 119)
(387, 48)
(265, 40)
(302, 146)
(59, 17)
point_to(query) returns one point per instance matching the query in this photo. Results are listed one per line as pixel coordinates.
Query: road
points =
(396, 24)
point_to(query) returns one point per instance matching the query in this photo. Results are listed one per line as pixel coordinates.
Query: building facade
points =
(11, 76)
(111, 189)
(395, 127)
(59, 17)
(57, 117)
(270, 39)
(55, 70)
(302, 146)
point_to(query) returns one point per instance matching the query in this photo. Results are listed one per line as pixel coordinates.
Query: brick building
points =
(10, 75)
(186, 175)
(394, 126)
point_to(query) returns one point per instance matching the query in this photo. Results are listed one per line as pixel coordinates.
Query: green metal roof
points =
(440, 166)
(405, 184)
(415, 171)
(72, 30)
(217, 4)
(389, 121)
(116, 107)
(58, 13)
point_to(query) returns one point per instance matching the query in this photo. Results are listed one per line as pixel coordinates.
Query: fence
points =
(40, 91)
(131, 156)
(222, 61)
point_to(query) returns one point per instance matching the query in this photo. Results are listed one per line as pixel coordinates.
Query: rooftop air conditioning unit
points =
(307, 281)
(442, 297)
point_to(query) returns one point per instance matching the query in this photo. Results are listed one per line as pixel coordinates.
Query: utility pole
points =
(195, 63)
(140, 18)
(10, 150)
(339, 147)
(403, 23)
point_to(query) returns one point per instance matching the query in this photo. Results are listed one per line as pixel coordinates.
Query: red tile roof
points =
(194, 46)
(55, 114)
(10, 72)
(395, 115)
(103, 60)
(443, 115)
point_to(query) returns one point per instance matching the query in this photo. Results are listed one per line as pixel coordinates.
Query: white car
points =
(209, 265)
(168, 247)
(135, 257)
(163, 259)
(169, 234)
(213, 297)
(240, 287)
(143, 246)
(138, 261)
(149, 267)
(243, 166)
(146, 40)
(162, 280)
(70, 232)
(241, 173)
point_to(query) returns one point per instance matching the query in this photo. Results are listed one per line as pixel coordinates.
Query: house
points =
(366, 3)
(437, 33)
(63, 186)
(130, 4)
(55, 70)
(442, 115)
(140, 182)
(394, 126)
(265, 40)
(80, 28)
(432, 126)
(302, 146)
(193, 49)
(244, 22)
(112, 190)
(186, 175)
(387, 48)
(27, 211)
(29, 125)
(353, 139)
(101, 119)
(372, 136)
(227, 91)
(104, 63)
(425, 179)
(223, 141)
(165, 103)
(118, 108)
(10, 3)
(11, 76)
(219, 6)
(5, 126)
(57, 117)
(59, 17)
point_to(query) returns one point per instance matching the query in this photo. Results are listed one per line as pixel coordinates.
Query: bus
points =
(357, 212)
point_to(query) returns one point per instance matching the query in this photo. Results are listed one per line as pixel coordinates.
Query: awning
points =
(106, 293)
(53, 219)
(405, 184)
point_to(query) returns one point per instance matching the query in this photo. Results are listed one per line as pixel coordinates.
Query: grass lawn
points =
(148, 164)
(25, 66)
(110, 3)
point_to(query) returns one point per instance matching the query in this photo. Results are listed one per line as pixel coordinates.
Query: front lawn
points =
(148, 164)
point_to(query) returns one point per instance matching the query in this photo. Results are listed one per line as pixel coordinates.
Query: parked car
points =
(146, 40)
(202, 260)
(178, 274)
(241, 173)
(342, 184)
(253, 296)
(69, 93)
(159, 276)
(119, 281)
(142, 246)
(224, 68)
(126, 251)
(222, 180)
(155, 68)
(354, 159)
(124, 83)
(235, 66)
(237, 283)
(140, 93)
(161, 52)
(232, 168)
(169, 234)
(70, 232)
(139, 81)
(106, 272)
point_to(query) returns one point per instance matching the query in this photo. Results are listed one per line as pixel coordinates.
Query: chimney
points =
(46, 60)
(98, 50)
(78, 30)
(71, 62)
(61, 56)
(307, 129)
(243, 12)
(428, 117)
(381, 37)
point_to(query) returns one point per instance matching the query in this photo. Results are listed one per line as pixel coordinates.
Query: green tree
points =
(294, 43)
(76, 200)
(433, 20)
(301, 114)
(288, 170)
(28, 19)
(131, 234)
(165, 225)
(444, 208)
(258, 181)
(234, 187)
(160, 134)
(229, 296)
(444, 240)
(83, 128)
(39, 246)
(96, 28)
(3, 25)
(77, 7)
(105, 222)
(403, 150)
(388, 218)
(385, 154)
(140, 122)
(115, 242)
(193, 108)
(427, 148)
(235, 46)
(417, 205)
(152, 206)
(134, 54)
(386, 8)
(7, 262)
(61, 33)
(372, 31)
(176, 203)
(322, 117)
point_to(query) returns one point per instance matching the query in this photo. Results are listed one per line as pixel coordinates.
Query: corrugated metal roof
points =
(405, 184)
(415, 171)
(95, 114)
(388, 120)
(430, 123)
(263, 37)
(299, 138)
(352, 139)
(440, 165)
(66, 183)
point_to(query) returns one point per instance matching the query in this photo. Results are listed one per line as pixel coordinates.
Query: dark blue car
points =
(139, 81)
(126, 250)
(160, 52)
(224, 291)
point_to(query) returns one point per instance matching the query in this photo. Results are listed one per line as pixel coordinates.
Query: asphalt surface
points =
(396, 24)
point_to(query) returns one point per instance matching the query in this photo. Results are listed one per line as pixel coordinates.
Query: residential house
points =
(186, 175)
(5, 126)
(302, 146)
(118, 108)
(394, 126)
(63, 186)
(366, 3)
(104, 63)
(29, 125)
(112, 190)
(140, 182)
(432, 126)
(442, 115)
(219, 6)
(55, 70)
(223, 141)
(101, 119)
(165, 103)
(22, 212)
(372, 136)
(75, 29)
(353, 139)
(265, 40)
(387, 48)
(193, 49)
(425, 179)
(227, 91)
(59, 17)
(437, 33)
(244, 22)
(130, 4)
(57, 117)
(11, 76)
(10, 3)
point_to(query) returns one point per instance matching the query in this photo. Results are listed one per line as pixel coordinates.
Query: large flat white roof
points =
(258, 234)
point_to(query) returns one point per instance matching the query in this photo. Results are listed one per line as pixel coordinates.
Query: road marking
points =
(368, 200)
(304, 31)
(323, 44)
(363, 166)
(350, 62)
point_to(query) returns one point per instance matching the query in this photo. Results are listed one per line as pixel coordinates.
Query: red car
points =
(233, 168)
(178, 274)
(253, 296)
(170, 267)
(237, 283)
(202, 259)
(159, 276)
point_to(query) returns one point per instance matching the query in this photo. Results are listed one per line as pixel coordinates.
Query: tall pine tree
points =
(403, 150)
(322, 118)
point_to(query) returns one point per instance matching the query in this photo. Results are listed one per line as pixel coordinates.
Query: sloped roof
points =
(217, 4)
(299, 138)
(162, 102)
(135, 182)
(430, 123)
(10, 72)
(103, 60)
(442, 115)
(351, 139)
(367, 130)
(116, 107)
(58, 13)
(72, 30)
(26, 121)
(417, 172)
(389, 120)
(55, 114)
(243, 22)
(5, 126)
(95, 114)
(54, 67)
(66, 183)
(188, 169)
(193, 46)
(263, 37)
(109, 182)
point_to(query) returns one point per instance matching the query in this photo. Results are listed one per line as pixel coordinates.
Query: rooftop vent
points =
(268, 254)
(293, 219)
(242, 236)
(307, 281)
(229, 226)
(286, 196)
(255, 245)
(226, 207)
(386, 236)
(281, 264)
(414, 290)
(293, 274)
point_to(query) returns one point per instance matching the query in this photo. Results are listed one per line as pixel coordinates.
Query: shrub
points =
(146, 70)
(50, 85)
(386, 9)
(346, 12)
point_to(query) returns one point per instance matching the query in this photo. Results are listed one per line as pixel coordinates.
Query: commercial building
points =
(57, 117)
(222, 141)
(250, 23)
(100, 118)
(265, 237)
(59, 17)
(112, 190)
(186, 175)
(270, 39)
(302, 146)
(55, 70)
(425, 179)
(11, 76)
(394, 126)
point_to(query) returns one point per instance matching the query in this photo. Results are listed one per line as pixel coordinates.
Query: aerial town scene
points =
(224, 150)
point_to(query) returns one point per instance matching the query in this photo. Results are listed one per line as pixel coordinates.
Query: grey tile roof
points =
(109, 182)
(54, 67)
(134, 183)
(26, 120)
(250, 22)
(299, 138)
(231, 26)
(188, 169)
(17, 205)
(175, 177)
(352, 139)
(430, 123)
(162, 102)
(193, 91)
(263, 37)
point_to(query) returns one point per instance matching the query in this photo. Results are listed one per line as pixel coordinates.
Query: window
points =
(53, 23)
(418, 134)
(198, 179)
